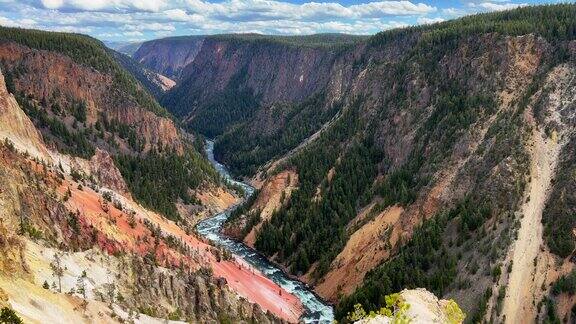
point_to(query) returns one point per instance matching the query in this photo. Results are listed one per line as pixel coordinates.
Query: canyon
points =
(367, 150)
(257, 178)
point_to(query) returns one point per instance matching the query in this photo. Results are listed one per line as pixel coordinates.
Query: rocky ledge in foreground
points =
(414, 306)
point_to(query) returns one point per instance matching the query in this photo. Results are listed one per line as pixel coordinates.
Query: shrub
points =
(454, 313)
(395, 309)
(8, 316)
(565, 284)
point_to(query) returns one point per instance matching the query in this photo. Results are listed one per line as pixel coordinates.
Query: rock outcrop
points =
(42, 207)
(102, 167)
(16, 127)
(272, 195)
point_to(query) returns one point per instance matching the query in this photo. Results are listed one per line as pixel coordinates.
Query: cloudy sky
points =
(135, 20)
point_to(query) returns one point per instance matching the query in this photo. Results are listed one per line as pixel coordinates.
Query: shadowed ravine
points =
(315, 310)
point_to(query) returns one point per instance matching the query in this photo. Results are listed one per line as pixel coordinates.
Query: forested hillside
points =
(237, 78)
(76, 247)
(458, 102)
(86, 51)
(79, 95)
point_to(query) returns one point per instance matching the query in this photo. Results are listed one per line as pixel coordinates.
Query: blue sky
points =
(137, 20)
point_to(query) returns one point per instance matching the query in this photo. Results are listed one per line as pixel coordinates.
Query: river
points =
(315, 310)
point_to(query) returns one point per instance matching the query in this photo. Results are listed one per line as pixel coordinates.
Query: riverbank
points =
(315, 310)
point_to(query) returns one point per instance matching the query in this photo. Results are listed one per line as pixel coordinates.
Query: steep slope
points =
(44, 77)
(228, 81)
(519, 303)
(257, 88)
(83, 101)
(552, 263)
(527, 247)
(244, 225)
(16, 126)
(86, 221)
(75, 245)
(155, 83)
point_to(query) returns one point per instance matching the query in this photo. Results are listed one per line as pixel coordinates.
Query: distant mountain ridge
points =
(169, 56)
(128, 48)
(155, 83)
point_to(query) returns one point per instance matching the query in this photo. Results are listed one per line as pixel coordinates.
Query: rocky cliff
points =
(45, 223)
(55, 80)
(169, 56)
(17, 127)
(274, 71)
(75, 245)
(233, 78)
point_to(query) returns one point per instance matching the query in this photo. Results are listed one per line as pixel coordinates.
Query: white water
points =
(315, 310)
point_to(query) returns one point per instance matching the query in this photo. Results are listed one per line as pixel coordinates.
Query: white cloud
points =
(26, 23)
(311, 10)
(391, 8)
(151, 26)
(97, 5)
(177, 15)
(235, 8)
(70, 29)
(113, 18)
(133, 33)
(426, 20)
(494, 6)
(52, 4)
(7, 22)
(454, 12)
